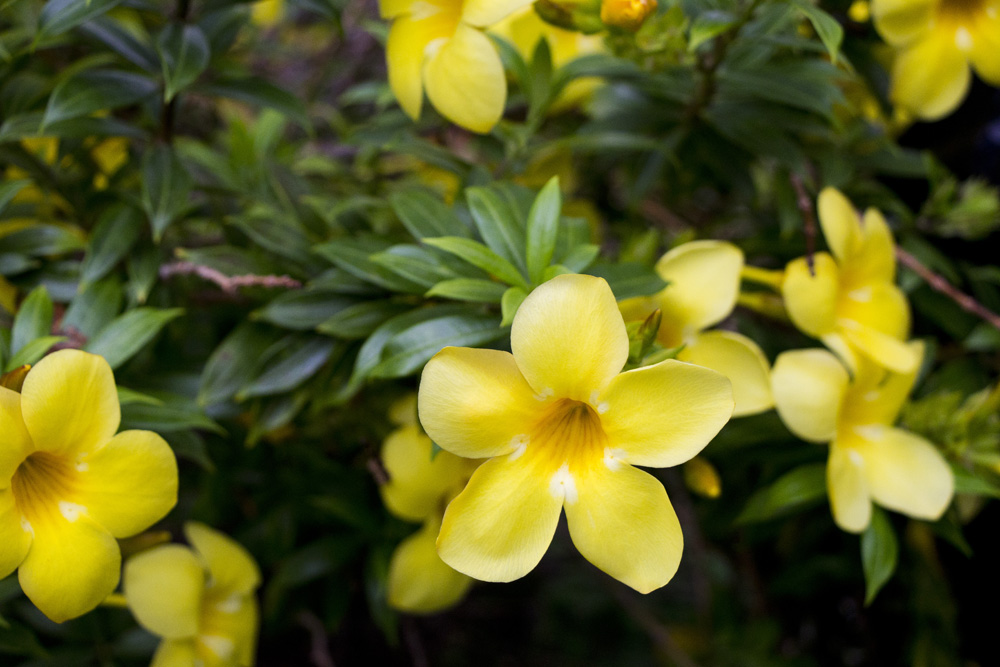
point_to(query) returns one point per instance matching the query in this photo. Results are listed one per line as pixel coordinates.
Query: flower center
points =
(960, 11)
(569, 434)
(43, 485)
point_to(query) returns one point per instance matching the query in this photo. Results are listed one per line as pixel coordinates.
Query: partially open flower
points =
(626, 14)
(563, 428)
(869, 459)
(69, 486)
(201, 601)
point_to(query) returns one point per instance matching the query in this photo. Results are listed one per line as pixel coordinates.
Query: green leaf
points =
(830, 32)
(33, 319)
(580, 257)
(127, 334)
(469, 289)
(498, 224)
(358, 321)
(543, 229)
(425, 215)
(109, 32)
(40, 240)
(32, 352)
(628, 279)
(300, 363)
(259, 92)
(94, 307)
(184, 55)
(165, 188)
(794, 490)
(419, 265)
(231, 367)
(166, 418)
(408, 350)
(510, 302)
(96, 90)
(879, 553)
(302, 310)
(480, 256)
(9, 189)
(116, 232)
(707, 25)
(58, 16)
(968, 482)
(354, 256)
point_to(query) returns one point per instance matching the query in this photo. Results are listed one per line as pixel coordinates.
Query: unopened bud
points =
(626, 14)
(15, 378)
(702, 478)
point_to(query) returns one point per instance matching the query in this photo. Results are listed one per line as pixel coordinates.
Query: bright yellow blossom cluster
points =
(69, 486)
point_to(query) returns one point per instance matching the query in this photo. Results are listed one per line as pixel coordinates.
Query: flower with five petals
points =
(562, 428)
(870, 460)
(439, 46)
(200, 601)
(69, 486)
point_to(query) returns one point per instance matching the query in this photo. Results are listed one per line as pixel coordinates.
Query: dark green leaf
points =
(96, 90)
(32, 352)
(302, 310)
(165, 187)
(469, 289)
(127, 334)
(116, 232)
(480, 256)
(167, 418)
(830, 32)
(801, 487)
(879, 552)
(425, 215)
(8, 190)
(498, 225)
(543, 229)
(33, 320)
(260, 92)
(360, 320)
(184, 55)
(408, 350)
(94, 307)
(58, 16)
(510, 302)
(707, 25)
(231, 365)
(300, 364)
(629, 279)
(354, 256)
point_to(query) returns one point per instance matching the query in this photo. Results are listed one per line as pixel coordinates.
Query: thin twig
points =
(657, 632)
(939, 284)
(319, 649)
(414, 644)
(805, 204)
(227, 283)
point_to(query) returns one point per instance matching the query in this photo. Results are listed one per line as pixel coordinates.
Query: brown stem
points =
(319, 645)
(227, 283)
(805, 204)
(939, 284)
(645, 619)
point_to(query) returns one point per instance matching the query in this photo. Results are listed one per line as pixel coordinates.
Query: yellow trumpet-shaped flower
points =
(69, 486)
(704, 282)
(201, 601)
(849, 300)
(421, 483)
(562, 427)
(936, 42)
(439, 46)
(870, 460)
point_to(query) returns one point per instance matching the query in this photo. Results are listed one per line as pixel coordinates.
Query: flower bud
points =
(702, 478)
(626, 14)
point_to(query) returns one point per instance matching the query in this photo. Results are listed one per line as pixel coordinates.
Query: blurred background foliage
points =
(223, 199)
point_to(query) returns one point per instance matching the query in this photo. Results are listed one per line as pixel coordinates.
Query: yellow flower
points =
(849, 300)
(525, 29)
(626, 14)
(69, 486)
(563, 428)
(201, 602)
(266, 13)
(936, 42)
(869, 459)
(704, 279)
(419, 488)
(439, 45)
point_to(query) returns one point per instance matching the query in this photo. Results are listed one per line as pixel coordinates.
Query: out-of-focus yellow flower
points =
(110, 155)
(936, 42)
(702, 477)
(869, 459)
(439, 46)
(69, 486)
(626, 14)
(860, 11)
(849, 300)
(563, 428)
(201, 601)
(8, 295)
(266, 13)
(524, 29)
(421, 484)
(704, 279)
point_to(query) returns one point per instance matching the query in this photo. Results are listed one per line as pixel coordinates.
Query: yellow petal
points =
(390, 9)
(568, 337)
(404, 53)
(418, 483)
(741, 360)
(874, 259)
(885, 350)
(901, 21)
(419, 581)
(879, 397)
(71, 567)
(809, 386)
(704, 279)
(622, 522)
(484, 13)
(879, 306)
(849, 495)
(663, 415)
(175, 653)
(230, 565)
(130, 483)
(474, 402)
(840, 223)
(69, 402)
(985, 50)
(905, 472)
(16, 444)
(500, 526)
(164, 588)
(465, 80)
(15, 540)
(931, 77)
(811, 297)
